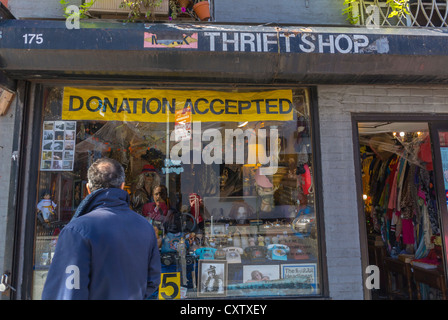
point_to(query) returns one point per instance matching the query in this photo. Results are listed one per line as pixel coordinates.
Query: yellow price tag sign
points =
(169, 287)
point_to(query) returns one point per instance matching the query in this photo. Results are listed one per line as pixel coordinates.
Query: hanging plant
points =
(348, 10)
(399, 8)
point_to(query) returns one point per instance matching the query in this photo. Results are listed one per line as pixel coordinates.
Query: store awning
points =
(222, 53)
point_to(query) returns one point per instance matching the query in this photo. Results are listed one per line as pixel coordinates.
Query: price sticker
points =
(169, 287)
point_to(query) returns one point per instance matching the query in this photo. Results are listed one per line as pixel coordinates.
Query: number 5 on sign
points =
(169, 287)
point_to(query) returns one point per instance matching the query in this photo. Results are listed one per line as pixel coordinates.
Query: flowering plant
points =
(137, 6)
(176, 8)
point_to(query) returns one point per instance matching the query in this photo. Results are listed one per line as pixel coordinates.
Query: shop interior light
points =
(258, 151)
(242, 124)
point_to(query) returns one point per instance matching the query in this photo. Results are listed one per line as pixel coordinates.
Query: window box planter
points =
(113, 6)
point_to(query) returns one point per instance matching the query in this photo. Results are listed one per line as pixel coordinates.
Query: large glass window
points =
(237, 170)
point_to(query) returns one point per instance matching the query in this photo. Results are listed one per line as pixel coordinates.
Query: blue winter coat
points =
(107, 251)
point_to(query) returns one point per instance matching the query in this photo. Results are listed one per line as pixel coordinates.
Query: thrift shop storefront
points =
(248, 130)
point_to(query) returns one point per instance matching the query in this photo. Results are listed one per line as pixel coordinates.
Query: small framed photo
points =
(305, 273)
(256, 273)
(48, 125)
(59, 125)
(70, 125)
(212, 278)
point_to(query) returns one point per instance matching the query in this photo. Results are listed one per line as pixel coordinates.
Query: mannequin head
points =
(148, 178)
(159, 194)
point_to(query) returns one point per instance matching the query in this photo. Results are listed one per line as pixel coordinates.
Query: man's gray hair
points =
(105, 173)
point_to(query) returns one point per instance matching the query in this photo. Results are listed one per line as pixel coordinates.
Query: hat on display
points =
(148, 168)
(212, 268)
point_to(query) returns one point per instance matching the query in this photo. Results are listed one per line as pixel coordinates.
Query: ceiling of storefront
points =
(386, 126)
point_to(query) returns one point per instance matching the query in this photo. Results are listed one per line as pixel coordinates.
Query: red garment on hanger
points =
(407, 229)
(425, 154)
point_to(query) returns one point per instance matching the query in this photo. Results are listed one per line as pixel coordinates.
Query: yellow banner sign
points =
(160, 105)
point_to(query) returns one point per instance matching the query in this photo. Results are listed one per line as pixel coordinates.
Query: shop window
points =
(237, 166)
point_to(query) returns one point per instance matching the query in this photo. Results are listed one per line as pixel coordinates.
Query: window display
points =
(224, 176)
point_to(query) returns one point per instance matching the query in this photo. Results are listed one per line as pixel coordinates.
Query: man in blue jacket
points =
(107, 251)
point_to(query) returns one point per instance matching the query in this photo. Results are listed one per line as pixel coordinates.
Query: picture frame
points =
(212, 278)
(306, 272)
(256, 273)
(58, 146)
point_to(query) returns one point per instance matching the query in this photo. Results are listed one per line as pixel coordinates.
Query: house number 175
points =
(30, 38)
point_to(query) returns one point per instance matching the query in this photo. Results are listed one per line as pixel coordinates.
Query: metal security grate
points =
(423, 13)
(429, 13)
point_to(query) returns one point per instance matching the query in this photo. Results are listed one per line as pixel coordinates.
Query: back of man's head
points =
(105, 173)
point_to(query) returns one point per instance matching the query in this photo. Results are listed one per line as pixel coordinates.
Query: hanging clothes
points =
(391, 205)
(402, 200)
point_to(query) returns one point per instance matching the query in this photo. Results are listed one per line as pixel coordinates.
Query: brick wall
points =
(336, 103)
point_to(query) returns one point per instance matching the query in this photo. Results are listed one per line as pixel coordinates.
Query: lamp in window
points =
(255, 152)
(250, 167)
